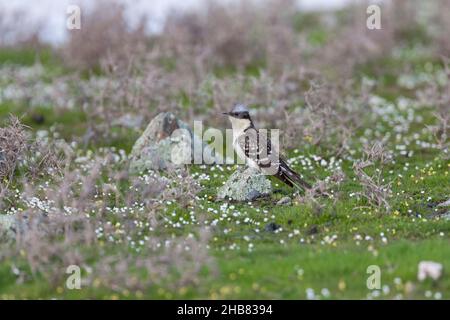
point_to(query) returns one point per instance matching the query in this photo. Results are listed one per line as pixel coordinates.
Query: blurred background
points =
(50, 15)
(132, 59)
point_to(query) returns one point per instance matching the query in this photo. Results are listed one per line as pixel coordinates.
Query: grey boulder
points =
(8, 226)
(245, 185)
(163, 146)
(13, 224)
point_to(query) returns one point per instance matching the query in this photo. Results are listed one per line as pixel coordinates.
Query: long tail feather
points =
(291, 178)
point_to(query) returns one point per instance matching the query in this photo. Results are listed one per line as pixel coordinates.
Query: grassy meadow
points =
(364, 116)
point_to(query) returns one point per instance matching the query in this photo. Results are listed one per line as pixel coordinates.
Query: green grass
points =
(25, 56)
(273, 271)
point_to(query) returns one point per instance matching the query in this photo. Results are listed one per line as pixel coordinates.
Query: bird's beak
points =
(226, 113)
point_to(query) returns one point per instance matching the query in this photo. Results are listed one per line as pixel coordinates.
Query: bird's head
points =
(239, 117)
(239, 111)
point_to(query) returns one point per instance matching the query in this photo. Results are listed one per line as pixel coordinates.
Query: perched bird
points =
(257, 150)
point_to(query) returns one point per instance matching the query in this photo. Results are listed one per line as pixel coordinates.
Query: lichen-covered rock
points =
(13, 224)
(163, 146)
(246, 185)
(8, 225)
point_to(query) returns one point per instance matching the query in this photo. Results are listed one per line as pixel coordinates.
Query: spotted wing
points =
(258, 147)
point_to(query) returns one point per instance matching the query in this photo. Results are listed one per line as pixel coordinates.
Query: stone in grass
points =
(429, 269)
(8, 226)
(272, 227)
(11, 224)
(285, 201)
(245, 185)
(162, 146)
